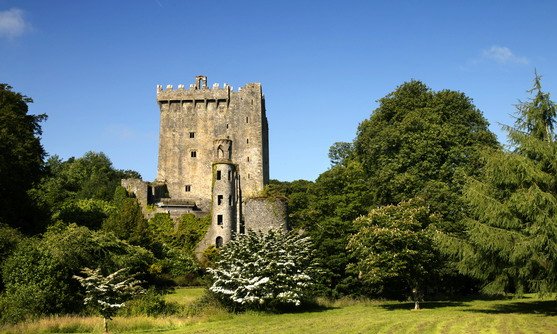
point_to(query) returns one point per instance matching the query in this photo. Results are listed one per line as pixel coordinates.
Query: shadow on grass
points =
(423, 305)
(543, 307)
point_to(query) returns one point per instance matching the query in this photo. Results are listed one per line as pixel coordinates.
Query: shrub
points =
(265, 271)
(107, 294)
(150, 303)
(37, 275)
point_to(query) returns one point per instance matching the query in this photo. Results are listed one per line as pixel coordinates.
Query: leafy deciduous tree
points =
(393, 246)
(423, 143)
(21, 160)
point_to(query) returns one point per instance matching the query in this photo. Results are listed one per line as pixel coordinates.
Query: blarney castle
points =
(213, 160)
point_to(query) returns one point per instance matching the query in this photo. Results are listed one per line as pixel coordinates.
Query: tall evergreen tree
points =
(512, 232)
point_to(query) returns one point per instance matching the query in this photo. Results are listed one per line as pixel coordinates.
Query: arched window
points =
(218, 242)
(220, 152)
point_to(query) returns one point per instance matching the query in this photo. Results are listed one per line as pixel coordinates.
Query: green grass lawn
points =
(528, 315)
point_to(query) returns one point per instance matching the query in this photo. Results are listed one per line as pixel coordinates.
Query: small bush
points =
(150, 303)
(208, 303)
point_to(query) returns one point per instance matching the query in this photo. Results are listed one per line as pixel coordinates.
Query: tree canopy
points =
(393, 249)
(21, 160)
(420, 142)
(511, 239)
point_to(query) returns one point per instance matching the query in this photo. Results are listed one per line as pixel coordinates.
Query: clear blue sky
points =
(92, 66)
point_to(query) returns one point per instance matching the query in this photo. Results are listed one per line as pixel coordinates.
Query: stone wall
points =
(139, 188)
(263, 214)
(191, 119)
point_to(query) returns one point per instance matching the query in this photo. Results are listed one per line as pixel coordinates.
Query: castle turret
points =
(224, 222)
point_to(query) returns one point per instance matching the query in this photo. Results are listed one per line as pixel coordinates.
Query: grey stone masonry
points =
(191, 119)
(213, 160)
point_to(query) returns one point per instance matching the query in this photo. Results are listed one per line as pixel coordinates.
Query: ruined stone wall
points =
(263, 214)
(139, 188)
(191, 119)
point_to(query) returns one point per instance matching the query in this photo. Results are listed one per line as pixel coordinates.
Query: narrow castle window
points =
(219, 219)
(188, 188)
(220, 152)
(219, 199)
(193, 154)
(229, 173)
(229, 200)
(192, 134)
(248, 159)
(227, 126)
(218, 242)
(247, 141)
(247, 119)
(218, 175)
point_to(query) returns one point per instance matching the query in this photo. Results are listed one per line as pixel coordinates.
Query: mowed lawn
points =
(528, 315)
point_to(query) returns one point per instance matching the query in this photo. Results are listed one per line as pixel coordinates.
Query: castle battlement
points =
(199, 91)
(192, 94)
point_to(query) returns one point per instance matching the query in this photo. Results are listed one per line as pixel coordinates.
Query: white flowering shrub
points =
(107, 294)
(265, 271)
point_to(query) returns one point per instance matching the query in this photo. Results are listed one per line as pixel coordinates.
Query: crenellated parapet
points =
(193, 93)
(201, 92)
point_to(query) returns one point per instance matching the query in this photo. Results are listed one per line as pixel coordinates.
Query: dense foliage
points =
(265, 271)
(423, 143)
(393, 249)
(417, 143)
(37, 274)
(511, 242)
(79, 190)
(21, 161)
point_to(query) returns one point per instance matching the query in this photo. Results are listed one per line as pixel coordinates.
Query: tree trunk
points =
(105, 325)
(416, 295)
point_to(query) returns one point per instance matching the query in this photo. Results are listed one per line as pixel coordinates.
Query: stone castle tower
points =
(200, 126)
(213, 159)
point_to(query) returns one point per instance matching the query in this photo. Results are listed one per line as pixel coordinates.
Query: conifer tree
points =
(512, 231)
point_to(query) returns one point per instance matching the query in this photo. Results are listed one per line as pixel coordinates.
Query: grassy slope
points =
(507, 316)
(530, 315)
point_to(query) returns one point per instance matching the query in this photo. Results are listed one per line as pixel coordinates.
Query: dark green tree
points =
(419, 142)
(89, 177)
(393, 249)
(512, 231)
(9, 239)
(21, 160)
(127, 221)
(339, 152)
